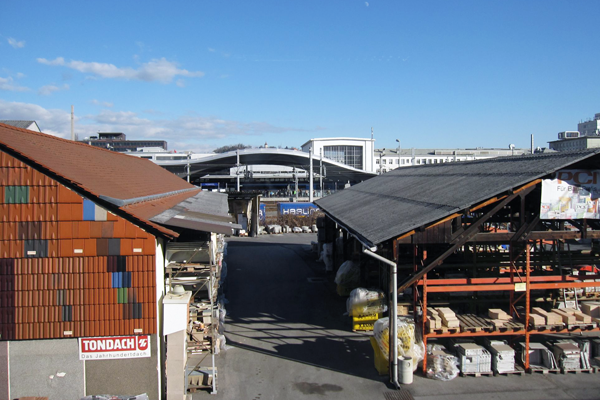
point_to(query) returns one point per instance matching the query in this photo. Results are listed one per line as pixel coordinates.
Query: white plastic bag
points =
(326, 256)
(441, 365)
(365, 302)
(348, 274)
(410, 343)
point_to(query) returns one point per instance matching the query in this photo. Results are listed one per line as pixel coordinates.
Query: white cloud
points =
(367, 3)
(211, 50)
(49, 89)
(7, 84)
(101, 103)
(183, 133)
(51, 121)
(180, 83)
(16, 43)
(157, 70)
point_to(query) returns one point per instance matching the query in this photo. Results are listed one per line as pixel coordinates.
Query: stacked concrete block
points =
(567, 355)
(503, 357)
(550, 317)
(448, 317)
(473, 358)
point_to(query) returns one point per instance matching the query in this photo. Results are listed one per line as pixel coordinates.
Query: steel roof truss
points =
(463, 238)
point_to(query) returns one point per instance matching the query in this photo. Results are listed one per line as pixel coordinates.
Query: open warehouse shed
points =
(514, 233)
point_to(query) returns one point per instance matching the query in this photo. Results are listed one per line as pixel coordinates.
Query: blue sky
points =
(203, 74)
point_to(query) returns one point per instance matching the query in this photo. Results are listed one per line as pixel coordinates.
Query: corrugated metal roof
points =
(98, 172)
(206, 211)
(401, 200)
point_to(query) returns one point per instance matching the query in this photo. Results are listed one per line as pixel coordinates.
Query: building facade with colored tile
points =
(81, 258)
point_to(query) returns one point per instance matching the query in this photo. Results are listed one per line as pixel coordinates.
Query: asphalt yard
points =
(287, 338)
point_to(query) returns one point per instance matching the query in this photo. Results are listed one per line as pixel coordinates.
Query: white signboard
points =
(573, 194)
(103, 348)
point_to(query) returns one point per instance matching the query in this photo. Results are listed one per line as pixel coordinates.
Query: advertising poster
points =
(573, 194)
(103, 348)
(297, 209)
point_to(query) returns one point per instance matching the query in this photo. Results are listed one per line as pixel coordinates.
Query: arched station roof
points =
(265, 156)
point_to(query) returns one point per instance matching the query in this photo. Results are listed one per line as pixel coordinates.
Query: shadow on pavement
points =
(277, 307)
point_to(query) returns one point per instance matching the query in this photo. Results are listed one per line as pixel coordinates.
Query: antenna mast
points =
(72, 123)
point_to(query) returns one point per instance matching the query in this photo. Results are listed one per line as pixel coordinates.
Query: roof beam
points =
(463, 238)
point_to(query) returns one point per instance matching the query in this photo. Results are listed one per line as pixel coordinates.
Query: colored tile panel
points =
(107, 229)
(36, 248)
(100, 214)
(22, 194)
(102, 247)
(114, 247)
(89, 210)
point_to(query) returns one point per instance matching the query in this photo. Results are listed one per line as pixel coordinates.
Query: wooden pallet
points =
(555, 327)
(509, 326)
(583, 327)
(443, 329)
(473, 323)
(477, 374)
(544, 371)
(578, 371)
(517, 371)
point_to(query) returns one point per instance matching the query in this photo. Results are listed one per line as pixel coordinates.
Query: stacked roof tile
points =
(71, 263)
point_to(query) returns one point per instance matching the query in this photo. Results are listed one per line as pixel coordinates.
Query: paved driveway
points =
(288, 339)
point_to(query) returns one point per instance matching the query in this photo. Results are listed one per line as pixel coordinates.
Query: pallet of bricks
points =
(503, 358)
(473, 359)
(560, 318)
(441, 320)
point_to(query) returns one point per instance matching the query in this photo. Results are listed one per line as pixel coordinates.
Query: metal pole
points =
(237, 172)
(398, 152)
(321, 174)
(214, 341)
(188, 167)
(295, 185)
(72, 123)
(310, 179)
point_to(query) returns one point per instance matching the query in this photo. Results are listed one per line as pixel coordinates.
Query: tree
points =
(225, 149)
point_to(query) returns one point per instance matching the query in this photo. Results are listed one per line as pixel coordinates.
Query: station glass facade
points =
(349, 155)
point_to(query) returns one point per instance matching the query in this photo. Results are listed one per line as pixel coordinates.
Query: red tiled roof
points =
(100, 172)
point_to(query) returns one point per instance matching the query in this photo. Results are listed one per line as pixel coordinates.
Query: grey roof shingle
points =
(19, 123)
(399, 201)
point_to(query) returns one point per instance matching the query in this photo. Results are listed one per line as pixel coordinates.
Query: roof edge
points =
(127, 202)
(79, 189)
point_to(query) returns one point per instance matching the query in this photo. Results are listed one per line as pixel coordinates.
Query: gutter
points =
(393, 327)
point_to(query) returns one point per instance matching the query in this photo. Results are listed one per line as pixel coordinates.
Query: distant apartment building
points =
(590, 127)
(117, 141)
(587, 136)
(389, 159)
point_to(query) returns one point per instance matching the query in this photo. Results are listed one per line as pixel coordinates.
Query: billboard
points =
(262, 212)
(103, 348)
(573, 194)
(298, 209)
